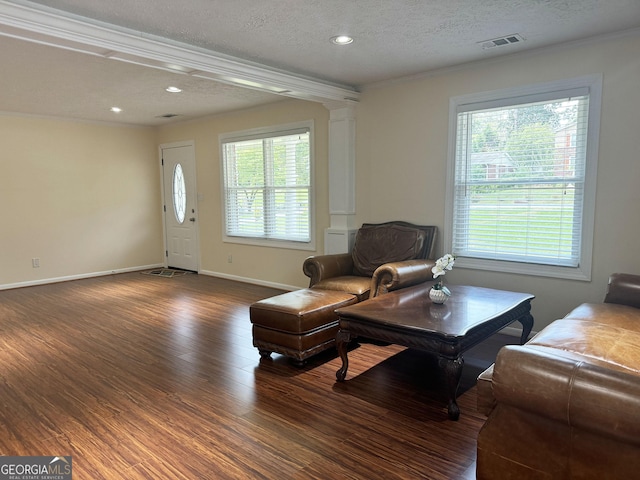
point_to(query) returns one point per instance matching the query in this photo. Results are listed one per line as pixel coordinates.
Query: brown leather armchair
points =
(385, 257)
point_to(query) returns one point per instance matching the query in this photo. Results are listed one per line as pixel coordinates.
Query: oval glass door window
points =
(179, 193)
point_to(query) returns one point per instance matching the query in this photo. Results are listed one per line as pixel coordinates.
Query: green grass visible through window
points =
(502, 219)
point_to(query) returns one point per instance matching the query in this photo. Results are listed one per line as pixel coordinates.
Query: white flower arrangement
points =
(443, 265)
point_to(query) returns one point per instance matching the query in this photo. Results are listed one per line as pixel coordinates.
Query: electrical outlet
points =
(230, 259)
(35, 262)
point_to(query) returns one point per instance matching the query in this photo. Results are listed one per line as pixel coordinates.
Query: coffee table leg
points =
(343, 338)
(527, 326)
(453, 372)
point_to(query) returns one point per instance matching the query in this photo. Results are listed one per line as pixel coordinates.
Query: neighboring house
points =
(565, 144)
(495, 164)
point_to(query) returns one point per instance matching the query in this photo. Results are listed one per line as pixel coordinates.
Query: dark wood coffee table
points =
(408, 317)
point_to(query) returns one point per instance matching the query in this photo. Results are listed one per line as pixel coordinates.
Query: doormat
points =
(166, 272)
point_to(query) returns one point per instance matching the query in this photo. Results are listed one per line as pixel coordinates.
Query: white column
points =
(339, 237)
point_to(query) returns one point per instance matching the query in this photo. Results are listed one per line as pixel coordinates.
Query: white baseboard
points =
(44, 281)
(252, 281)
(237, 278)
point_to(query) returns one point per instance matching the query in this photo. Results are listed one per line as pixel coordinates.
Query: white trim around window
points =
(267, 186)
(512, 198)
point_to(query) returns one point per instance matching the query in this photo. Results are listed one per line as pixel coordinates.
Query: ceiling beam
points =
(46, 26)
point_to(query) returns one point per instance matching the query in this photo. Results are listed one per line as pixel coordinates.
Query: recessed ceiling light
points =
(116, 109)
(342, 40)
(173, 89)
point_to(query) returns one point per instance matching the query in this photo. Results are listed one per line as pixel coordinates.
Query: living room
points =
(84, 198)
(61, 176)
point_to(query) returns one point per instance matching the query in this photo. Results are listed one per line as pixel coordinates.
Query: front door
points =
(180, 206)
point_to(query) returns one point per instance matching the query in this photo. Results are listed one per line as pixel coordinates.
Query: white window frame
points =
(515, 96)
(265, 132)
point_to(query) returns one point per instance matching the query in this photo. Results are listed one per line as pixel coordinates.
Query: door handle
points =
(192, 219)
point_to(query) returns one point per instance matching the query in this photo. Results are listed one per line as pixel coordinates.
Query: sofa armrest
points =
(395, 275)
(624, 289)
(568, 389)
(321, 267)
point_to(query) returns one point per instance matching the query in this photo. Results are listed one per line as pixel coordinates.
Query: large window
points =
(521, 185)
(267, 186)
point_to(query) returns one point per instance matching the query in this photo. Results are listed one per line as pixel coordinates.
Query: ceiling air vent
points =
(168, 115)
(502, 41)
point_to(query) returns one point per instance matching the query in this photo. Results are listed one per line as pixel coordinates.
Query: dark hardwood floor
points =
(143, 377)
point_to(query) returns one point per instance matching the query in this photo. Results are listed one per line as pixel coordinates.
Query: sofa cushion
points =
(353, 284)
(610, 314)
(377, 245)
(594, 342)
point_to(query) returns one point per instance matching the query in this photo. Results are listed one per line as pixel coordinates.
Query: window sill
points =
(551, 271)
(261, 242)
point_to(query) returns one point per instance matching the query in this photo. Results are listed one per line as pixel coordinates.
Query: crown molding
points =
(46, 26)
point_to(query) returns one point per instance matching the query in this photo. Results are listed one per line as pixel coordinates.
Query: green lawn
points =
(524, 219)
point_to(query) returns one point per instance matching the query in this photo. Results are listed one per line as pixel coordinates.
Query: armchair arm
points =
(395, 275)
(321, 267)
(624, 289)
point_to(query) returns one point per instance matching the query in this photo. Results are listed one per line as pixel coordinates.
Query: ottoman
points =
(297, 324)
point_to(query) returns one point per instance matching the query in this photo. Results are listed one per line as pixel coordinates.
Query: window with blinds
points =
(267, 185)
(523, 184)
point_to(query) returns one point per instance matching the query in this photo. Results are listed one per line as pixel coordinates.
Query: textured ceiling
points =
(393, 39)
(49, 81)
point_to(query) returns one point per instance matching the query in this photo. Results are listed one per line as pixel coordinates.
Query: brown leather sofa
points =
(302, 323)
(567, 403)
(385, 257)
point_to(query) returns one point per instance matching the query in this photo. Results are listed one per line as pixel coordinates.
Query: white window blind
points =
(267, 185)
(519, 178)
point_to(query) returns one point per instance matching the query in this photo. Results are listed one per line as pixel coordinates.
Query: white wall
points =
(402, 155)
(83, 198)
